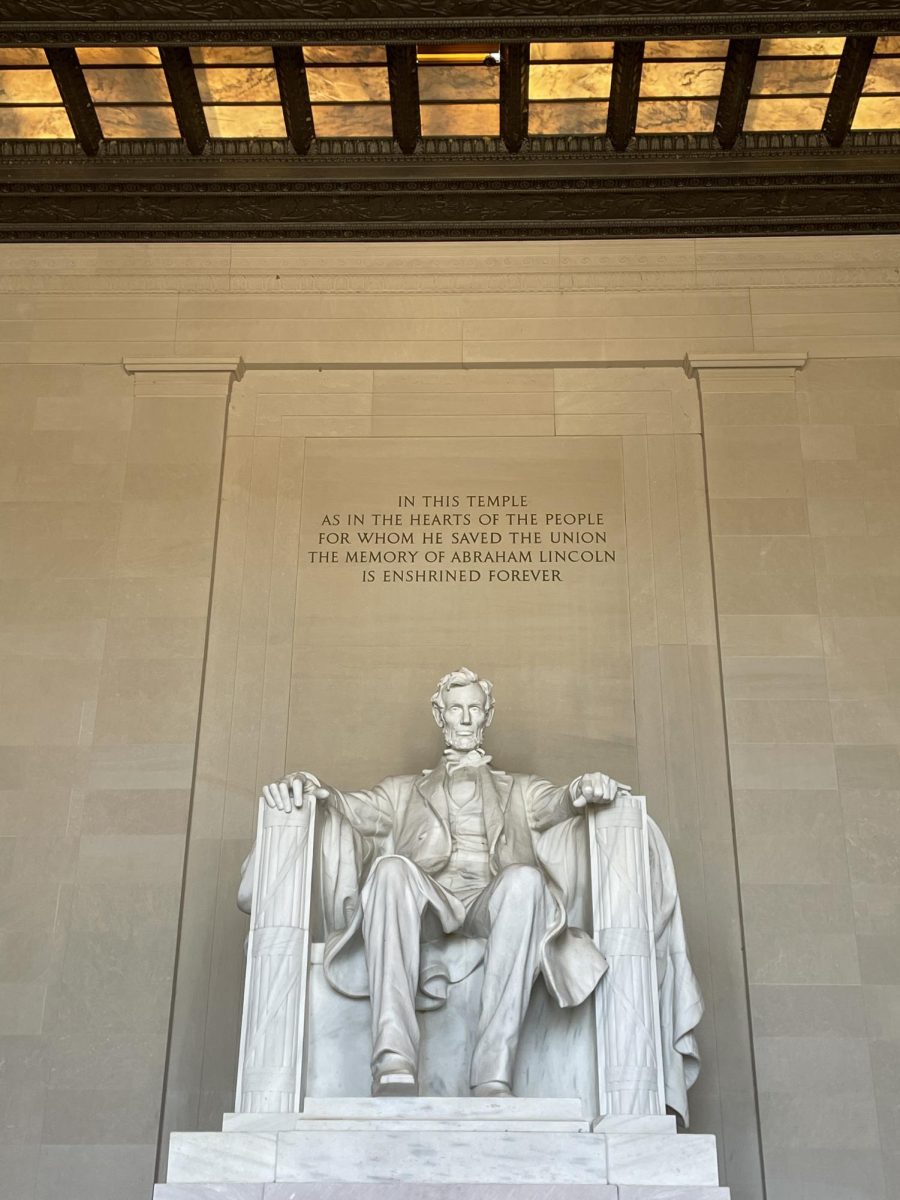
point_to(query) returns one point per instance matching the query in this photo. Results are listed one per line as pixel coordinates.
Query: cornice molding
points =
(254, 22)
(695, 363)
(155, 366)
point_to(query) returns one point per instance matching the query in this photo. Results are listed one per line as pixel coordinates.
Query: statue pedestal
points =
(441, 1149)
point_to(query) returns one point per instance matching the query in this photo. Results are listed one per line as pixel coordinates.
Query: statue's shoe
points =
(494, 1087)
(394, 1077)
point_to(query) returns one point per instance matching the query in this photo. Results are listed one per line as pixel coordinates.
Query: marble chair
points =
(301, 1039)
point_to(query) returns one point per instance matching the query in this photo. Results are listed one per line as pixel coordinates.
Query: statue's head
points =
(463, 707)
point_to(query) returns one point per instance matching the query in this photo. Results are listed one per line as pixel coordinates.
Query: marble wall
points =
(107, 527)
(110, 493)
(804, 486)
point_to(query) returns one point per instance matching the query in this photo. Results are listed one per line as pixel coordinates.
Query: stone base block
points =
(426, 1191)
(369, 1148)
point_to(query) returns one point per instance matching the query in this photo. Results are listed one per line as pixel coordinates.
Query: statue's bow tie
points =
(458, 760)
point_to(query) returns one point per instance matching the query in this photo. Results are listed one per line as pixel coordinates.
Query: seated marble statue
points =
(465, 850)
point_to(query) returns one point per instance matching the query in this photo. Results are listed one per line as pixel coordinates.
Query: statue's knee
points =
(391, 873)
(522, 882)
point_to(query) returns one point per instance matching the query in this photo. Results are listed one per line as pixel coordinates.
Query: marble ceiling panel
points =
(232, 85)
(547, 117)
(552, 51)
(883, 76)
(686, 48)
(251, 120)
(118, 84)
(34, 123)
(785, 113)
(223, 55)
(26, 56)
(103, 56)
(29, 86)
(689, 79)
(472, 120)
(352, 120)
(337, 84)
(344, 54)
(785, 77)
(128, 121)
(877, 112)
(801, 47)
(676, 116)
(564, 81)
(459, 83)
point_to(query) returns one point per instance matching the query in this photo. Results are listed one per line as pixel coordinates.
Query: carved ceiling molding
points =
(459, 209)
(586, 150)
(255, 22)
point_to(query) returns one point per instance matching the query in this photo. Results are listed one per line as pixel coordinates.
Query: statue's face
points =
(464, 717)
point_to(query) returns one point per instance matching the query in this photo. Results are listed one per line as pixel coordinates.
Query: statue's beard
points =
(460, 740)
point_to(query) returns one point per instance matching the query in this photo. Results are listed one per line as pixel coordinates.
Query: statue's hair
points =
(461, 678)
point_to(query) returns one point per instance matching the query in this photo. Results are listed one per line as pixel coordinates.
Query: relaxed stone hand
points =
(290, 792)
(596, 788)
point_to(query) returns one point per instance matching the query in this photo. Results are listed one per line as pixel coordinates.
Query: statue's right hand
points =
(289, 793)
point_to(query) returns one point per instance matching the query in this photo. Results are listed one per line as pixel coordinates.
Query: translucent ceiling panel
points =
(350, 84)
(137, 121)
(230, 55)
(462, 120)
(344, 54)
(676, 116)
(877, 112)
(801, 47)
(793, 76)
(30, 103)
(115, 85)
(883, 76)
(563, 51)
(245, 120)
(569, 81)
(38, 122)
(237, 85)
(22, 56)
(31, 85)
(459, 82)
(118, 56)
(685, 48)
(682, 79)
(352, 120)
(785, 114)
(574, 117)
(879, 105)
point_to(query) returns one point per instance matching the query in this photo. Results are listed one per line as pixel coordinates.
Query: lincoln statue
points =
(458, 844)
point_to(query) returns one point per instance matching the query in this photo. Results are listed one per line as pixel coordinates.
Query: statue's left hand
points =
(596, 788)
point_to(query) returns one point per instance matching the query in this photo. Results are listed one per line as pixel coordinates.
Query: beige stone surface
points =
(807, 620)
(108, 489)
(101, 639)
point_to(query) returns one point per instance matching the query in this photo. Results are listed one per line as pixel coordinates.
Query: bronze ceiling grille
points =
(359, 119)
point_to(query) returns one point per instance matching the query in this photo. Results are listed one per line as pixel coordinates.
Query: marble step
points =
(521, 1114)
(440, 1155)
(430, 1191)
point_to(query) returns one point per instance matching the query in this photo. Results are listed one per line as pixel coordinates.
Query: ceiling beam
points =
(740, 67)
(847, 89)
(75, 97)
(403, 83)
(293, 86)
(628, 63)
(179, 71)
(514, 63)
(266, 22)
